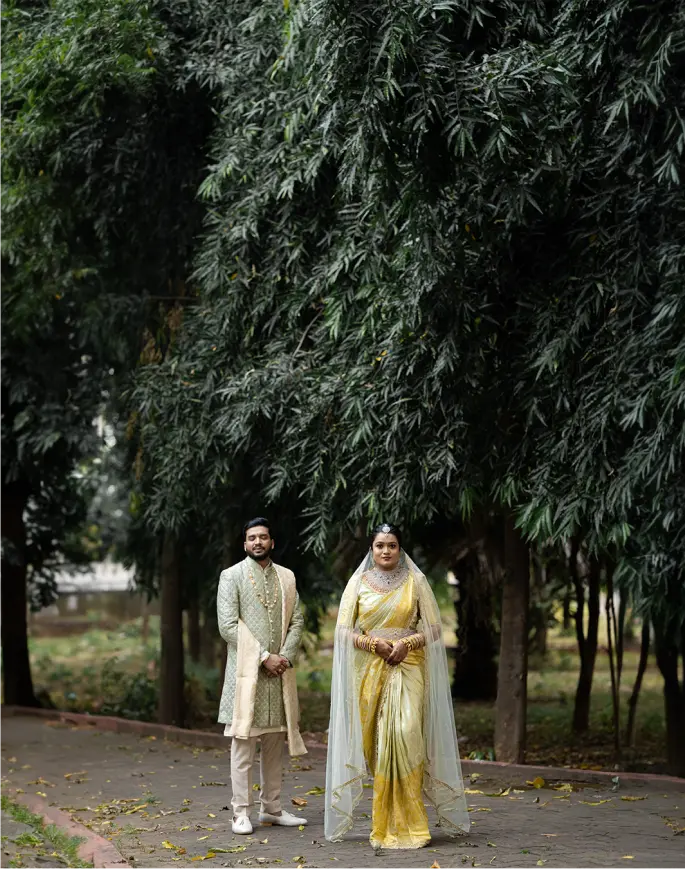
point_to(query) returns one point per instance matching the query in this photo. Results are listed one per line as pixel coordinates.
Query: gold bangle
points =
(372, 647)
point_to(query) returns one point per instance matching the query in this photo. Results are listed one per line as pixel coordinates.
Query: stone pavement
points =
(166, 804)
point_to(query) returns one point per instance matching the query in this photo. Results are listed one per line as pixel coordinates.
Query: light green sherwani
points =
(238, 601)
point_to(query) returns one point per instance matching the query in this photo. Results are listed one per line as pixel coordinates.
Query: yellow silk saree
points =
(394, 722)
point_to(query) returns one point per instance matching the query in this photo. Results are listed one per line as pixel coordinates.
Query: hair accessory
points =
(385, 529)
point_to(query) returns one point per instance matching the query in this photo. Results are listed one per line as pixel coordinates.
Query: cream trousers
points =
(271, 772)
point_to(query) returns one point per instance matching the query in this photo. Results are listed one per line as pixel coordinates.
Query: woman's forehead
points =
(385, 538)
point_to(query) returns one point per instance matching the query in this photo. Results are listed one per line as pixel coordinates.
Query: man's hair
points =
(254, 523)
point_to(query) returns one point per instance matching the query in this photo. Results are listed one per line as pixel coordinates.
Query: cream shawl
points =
(247, 669)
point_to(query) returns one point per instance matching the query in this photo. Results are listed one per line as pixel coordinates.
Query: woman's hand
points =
(399, 653)
(384, 649)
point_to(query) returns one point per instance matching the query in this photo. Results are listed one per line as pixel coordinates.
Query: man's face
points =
(258, 543)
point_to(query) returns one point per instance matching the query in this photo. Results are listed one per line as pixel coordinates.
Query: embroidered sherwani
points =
(238, 601)
(259, 614)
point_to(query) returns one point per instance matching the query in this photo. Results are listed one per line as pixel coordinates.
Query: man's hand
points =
(399, 653)
(384, 649)
(275, 665)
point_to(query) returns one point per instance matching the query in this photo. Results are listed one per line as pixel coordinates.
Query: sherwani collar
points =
(252, 563)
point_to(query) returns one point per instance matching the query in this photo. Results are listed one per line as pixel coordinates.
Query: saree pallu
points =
(391, 699)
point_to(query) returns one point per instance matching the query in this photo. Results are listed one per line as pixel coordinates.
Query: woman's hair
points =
(255, 523)
(386, 529)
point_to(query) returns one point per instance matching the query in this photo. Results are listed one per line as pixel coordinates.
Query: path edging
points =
(96, 850)
(517, 772)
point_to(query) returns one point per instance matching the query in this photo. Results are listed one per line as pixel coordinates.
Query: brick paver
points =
(156, 798)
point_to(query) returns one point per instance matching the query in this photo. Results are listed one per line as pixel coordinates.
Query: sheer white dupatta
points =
(346, 767)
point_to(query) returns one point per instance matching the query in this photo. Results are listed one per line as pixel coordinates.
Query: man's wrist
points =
(265, 654)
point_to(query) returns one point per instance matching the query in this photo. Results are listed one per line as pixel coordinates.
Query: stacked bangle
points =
(415, 641)
(362, 641)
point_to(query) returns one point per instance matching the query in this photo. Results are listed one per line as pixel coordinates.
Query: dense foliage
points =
(437, 269)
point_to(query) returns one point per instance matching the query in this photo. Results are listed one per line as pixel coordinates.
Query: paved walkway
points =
(165, 804)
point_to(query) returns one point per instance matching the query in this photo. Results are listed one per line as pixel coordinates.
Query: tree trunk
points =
(674, 700)
(566, 624)
(510, 726)
(587, 644)
(194, 634)
(145, 624)
(16, 664)
(539, 608)
(210, 639)
(475, 672)
(642, 667)
(171, 673)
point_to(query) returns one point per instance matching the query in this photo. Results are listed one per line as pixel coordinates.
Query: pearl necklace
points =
(268, 605)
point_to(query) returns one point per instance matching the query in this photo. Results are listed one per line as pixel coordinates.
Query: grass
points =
(114, 672)
(46, 841)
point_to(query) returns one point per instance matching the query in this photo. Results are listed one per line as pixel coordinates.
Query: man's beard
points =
(263, 556)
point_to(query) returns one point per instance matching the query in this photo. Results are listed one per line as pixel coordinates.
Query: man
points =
(259, 617)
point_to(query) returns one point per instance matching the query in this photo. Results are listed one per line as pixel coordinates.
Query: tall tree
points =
(103, 130)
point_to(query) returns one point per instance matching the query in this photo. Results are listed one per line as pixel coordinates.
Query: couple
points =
(391, 710)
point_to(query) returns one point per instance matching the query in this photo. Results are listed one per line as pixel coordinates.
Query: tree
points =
(99, 222)
(607, 351)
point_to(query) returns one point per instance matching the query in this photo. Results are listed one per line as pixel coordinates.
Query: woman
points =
(391, 709)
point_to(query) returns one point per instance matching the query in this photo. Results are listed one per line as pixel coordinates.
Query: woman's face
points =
(386, 551)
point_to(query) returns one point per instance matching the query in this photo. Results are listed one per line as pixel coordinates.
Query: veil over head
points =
(346, 767)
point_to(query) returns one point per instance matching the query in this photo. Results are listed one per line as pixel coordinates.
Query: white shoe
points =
(285, 819)
(242, 825)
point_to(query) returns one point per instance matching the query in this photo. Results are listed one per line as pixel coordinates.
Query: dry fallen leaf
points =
(298, 801)
(472, 791)
(541, 863)
(317, 791)
(537, 782)
(211, 815)
(479, 809)
(627, 857)
(435, 865)
(549, 835)
(491, 845)
(633, 799)
(596, 803)
(202, 838)
(207, 856)
(565, 787)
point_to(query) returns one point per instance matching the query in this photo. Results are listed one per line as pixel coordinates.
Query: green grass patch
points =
(46, 840)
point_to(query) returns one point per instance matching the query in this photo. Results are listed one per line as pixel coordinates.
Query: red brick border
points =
(201, 738)
(96, 850)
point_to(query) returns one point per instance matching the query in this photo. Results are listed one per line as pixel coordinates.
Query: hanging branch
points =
(612, 628)
(620, 638)
(642, 666)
